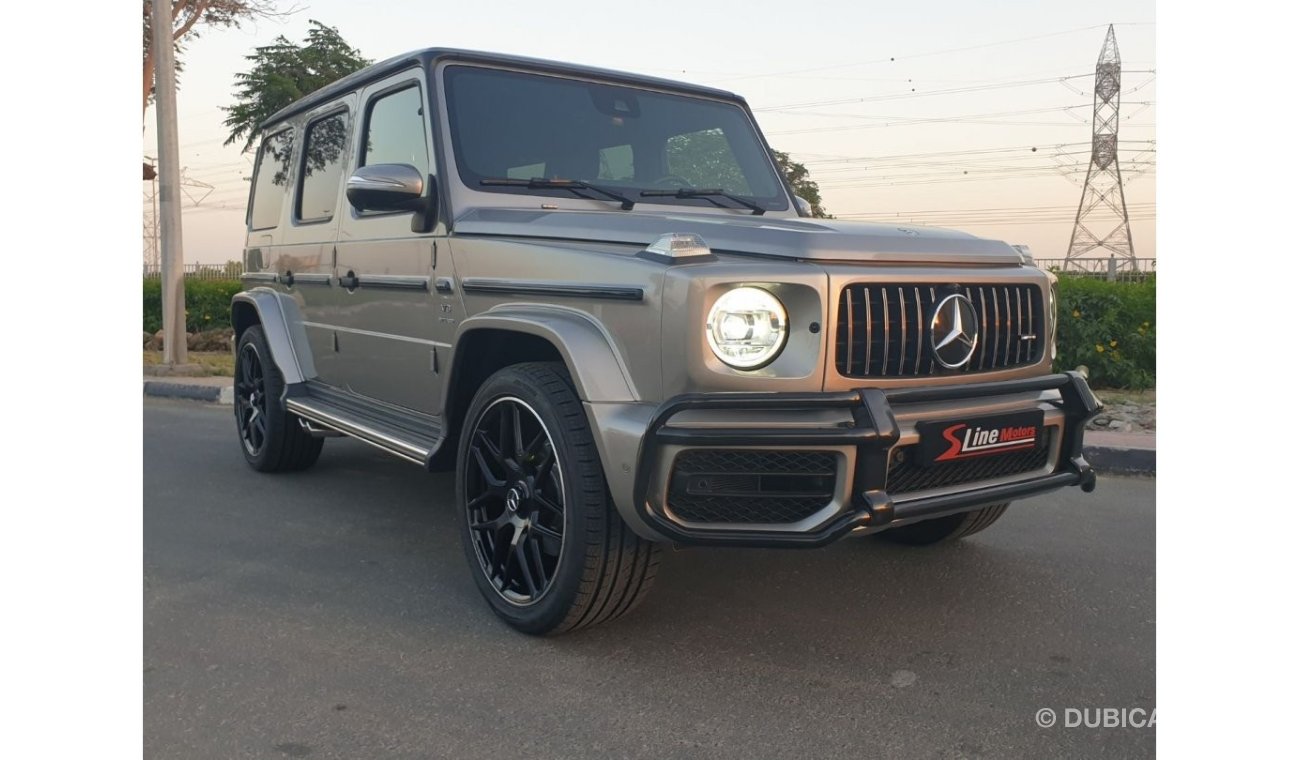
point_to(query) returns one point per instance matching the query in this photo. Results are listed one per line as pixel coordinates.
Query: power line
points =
(723, 76)
(1044, 213)
(906, 170)
(990, 118)
(968, 175)
(914, 94)
(787, 107)
(902, 182)
(1066, 219)
(1030, 215)
(931, 154)
(879, 117)
(963, 49)
(976, 162)
(1013, 161)
(974, 211)
(821, 158)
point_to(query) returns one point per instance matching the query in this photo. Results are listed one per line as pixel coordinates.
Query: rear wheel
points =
(269, 435)
(547, 549)
(949, 528)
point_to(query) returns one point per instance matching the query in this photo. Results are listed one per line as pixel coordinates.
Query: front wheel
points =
(548, 550)
(948, 528)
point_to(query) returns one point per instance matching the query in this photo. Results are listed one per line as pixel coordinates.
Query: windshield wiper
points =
(695, 192)
(575, 185)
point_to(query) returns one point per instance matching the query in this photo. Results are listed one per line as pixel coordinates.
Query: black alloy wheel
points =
(250, 400)
(544, 541)
(271, 437)
(514, 497)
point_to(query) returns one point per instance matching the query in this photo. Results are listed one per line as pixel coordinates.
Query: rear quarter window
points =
(270, 180)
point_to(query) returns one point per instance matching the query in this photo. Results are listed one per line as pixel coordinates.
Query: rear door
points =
(305, 263)
(394, 328)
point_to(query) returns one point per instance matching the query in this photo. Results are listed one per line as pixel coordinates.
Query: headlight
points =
(747, 327)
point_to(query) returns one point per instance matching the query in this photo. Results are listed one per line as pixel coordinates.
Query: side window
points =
(395, 131)
(272, 177)
(322, 168)
(616, 163)
(705, 157)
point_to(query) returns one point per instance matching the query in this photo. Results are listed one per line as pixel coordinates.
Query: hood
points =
(798, 238)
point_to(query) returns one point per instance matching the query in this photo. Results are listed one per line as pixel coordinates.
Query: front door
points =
(392, 327)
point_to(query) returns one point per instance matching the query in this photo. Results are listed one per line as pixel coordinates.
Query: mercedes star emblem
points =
(954, 331)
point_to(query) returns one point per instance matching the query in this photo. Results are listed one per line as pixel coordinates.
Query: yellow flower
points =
(1100, 349)
(1114, 343)
(1076, 313)
(1146, 324)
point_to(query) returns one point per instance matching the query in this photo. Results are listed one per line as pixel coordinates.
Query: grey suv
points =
(594, 297)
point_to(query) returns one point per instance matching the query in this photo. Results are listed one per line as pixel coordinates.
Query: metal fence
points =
(228, 271)
(1112, 269)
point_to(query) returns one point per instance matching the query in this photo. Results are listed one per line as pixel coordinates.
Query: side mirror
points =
(387, 187)
(805, 208)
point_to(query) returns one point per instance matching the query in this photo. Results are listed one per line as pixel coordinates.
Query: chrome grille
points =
(884, 330)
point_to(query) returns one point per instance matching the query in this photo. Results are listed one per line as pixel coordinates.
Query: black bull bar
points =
(874, 432)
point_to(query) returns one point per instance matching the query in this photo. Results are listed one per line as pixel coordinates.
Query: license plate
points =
(975, 437)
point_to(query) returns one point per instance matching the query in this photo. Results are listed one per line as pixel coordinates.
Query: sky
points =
(974, 116)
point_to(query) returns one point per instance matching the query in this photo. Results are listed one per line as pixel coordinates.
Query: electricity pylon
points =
(1102, 205)
(195, 191)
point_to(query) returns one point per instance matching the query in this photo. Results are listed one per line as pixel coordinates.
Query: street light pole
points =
(169, 186)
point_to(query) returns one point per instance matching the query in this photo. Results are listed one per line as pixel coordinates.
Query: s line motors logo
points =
(966, 441)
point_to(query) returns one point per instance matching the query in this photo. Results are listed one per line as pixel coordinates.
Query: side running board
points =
(410, 435)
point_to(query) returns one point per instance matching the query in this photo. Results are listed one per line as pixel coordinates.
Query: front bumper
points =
(870, 432)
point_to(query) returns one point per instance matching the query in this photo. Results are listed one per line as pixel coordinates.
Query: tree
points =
(283, 72)
(804, 187)
(189, 16)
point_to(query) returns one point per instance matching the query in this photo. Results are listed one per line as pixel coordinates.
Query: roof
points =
(425, 58)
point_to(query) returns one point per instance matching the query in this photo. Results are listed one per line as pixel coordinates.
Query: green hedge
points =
(1111, 328)
(207, 304)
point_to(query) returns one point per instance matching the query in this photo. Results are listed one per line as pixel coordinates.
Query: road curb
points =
(1110, 460)
(213, 394)
(1121, 460)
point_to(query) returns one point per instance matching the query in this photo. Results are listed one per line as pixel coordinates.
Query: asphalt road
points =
(331, 614)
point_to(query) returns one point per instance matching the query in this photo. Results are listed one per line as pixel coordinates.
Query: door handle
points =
(287, 278)
(350, 280)
(443, 285)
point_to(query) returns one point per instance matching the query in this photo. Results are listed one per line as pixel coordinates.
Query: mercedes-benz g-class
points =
(594, 297)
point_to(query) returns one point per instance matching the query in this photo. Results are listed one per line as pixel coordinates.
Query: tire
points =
(545, 544)
(270, 436)
(944, 529)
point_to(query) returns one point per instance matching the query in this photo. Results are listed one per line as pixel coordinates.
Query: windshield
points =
(513, 125)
